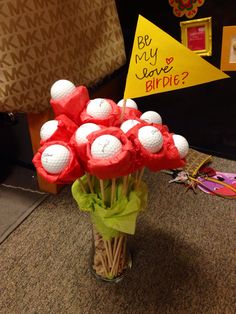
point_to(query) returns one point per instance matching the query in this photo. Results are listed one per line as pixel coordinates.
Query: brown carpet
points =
(183, 257)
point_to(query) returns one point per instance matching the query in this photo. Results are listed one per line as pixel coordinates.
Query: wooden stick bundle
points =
(110, 256)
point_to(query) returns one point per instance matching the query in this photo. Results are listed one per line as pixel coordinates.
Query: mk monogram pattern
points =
(42, 41)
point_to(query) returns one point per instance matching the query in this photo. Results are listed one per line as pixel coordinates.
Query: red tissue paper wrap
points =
(81, 148)
(131, 113)
(71, 172)
(71, 105)
(113, 119)
(65, 129)
(117, 166)
(167, 158)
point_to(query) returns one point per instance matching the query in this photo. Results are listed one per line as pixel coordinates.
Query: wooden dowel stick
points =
(116, 254)
(140, 177)
(107, 253)
(110, 249)
(115, 245)
(82, 185)
(106, 262)
(123, 111)
(102, 190)
(89, 182)
(103, 264)
(121, 258)
(113, 189)
(116, 268)
(117, 263)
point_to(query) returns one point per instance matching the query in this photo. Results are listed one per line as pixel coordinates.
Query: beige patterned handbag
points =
(42, 41)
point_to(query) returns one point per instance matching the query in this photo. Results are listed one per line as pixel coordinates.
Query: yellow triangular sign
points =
(159, 63)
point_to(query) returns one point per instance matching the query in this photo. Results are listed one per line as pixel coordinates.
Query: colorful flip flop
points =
(222, 184)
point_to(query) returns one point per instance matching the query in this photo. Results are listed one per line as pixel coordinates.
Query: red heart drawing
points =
(169, 60)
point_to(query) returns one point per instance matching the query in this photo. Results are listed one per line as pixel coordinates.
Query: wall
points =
(204, 114)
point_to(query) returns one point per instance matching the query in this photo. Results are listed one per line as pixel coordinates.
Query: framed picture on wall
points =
(197, 35)
(228, 50)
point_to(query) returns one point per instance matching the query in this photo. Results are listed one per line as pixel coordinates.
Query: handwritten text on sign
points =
(155, 76)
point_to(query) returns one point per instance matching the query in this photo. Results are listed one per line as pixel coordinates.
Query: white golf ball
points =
(47, 129)
(106, 146)
(151, 117)
(62, 88)
(55, 158)
(130, 103)
(151, 138)
(99, 108)
(84, 130)
(128, 124)
(181, 144)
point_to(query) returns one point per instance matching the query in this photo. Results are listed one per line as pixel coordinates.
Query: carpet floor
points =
(183, 257)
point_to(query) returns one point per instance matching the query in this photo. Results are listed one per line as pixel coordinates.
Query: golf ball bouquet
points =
(102, 148)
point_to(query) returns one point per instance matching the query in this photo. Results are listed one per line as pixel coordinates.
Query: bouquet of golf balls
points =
(103, 147)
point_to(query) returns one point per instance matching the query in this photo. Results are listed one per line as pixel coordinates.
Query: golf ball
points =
(99, 108)
(55, 158)
(150, 138)
(181, 145)
(128, 124)
(47, 129)
(106, 146)
(62, 88)
(84, 130)
(130, 103)
(151, 117)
